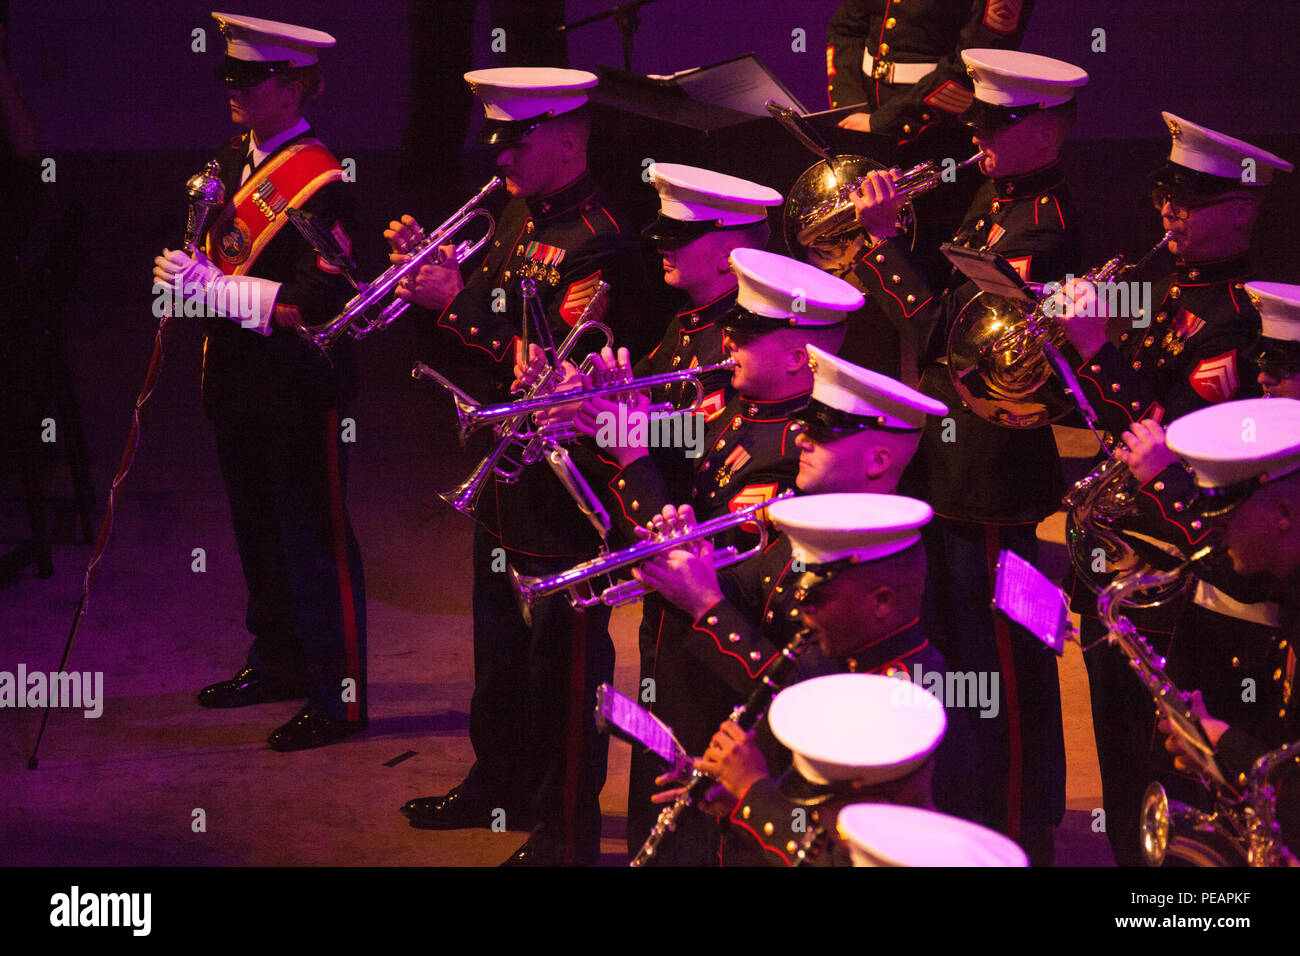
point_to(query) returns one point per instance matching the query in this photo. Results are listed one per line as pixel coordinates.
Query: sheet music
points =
(1026, 596)
(743, 84)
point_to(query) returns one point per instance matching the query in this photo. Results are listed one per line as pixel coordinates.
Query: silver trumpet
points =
(577, 580)
(473, 416)
(516, 446)
(355, 321)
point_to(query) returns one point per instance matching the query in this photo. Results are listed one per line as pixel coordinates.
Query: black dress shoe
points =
(312, 729)
(542, 849)
(248, 687)
(454, 810)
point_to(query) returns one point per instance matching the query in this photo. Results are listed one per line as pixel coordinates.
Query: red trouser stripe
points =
(351, 647)
(1002, 634)
(573, 743)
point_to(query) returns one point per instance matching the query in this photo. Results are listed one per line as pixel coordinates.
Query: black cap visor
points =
(740, 319)
(504, 134)
(819, 418)
(246, 74)
(1183, 181)
(988, 117)
(669, 233)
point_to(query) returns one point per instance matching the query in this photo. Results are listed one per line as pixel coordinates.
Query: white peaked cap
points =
(692, 194)
(1279, 309)
(268, 41)
(1012, 78)
(778, 287)
(862, 727)
(1237, 441)
(884, 834)
(860, 391)
(519, 93)
(858, 526)
(1204, 150)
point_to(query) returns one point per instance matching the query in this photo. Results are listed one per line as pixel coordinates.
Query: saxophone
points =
(1264, 845)
(1241, 830)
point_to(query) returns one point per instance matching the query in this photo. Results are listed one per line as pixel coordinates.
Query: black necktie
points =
(250, 166)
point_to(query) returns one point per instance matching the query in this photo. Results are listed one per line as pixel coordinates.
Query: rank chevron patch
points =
(577, 296)
(1215, 379)
(1002, 16)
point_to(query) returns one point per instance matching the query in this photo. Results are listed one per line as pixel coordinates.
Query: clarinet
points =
(745, 716)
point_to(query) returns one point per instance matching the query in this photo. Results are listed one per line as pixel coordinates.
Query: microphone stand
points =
(627, 16)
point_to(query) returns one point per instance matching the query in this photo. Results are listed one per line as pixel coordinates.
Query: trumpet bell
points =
(998, 368)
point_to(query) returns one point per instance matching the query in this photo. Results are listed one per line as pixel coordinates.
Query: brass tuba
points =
(995, 353)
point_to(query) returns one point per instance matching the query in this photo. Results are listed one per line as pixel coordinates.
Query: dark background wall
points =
(128, 112)
(122, 75)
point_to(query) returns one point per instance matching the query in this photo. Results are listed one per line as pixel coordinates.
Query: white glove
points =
(245, 299)
(175, 263)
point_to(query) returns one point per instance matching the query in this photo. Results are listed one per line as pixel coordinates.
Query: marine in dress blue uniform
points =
(903, 60)
(537, 753)
(1195, 351)
(703, 216)
(991, 485)
(749, 456)
(275, 403)
(1251, 483)
(860, 586)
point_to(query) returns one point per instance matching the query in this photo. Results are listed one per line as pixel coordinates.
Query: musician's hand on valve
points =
(1174, 743)
(432, 286)
(733, 759)
(1082, 313)
(1144, 450)
(685, 576)
(878, 203)
(858, 121)
(528, 368)
(616, 421)
(528, 374)
(402, 236)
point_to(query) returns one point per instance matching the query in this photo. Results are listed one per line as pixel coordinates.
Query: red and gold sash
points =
(253, 218)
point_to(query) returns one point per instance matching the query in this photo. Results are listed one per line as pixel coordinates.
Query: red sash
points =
(253, 218)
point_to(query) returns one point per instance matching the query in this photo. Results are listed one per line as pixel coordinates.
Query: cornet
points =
(354, 321)
(472, 416)
(577, 580)
(513, 432)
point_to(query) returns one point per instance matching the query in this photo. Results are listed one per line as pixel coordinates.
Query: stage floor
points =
(126, 788)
